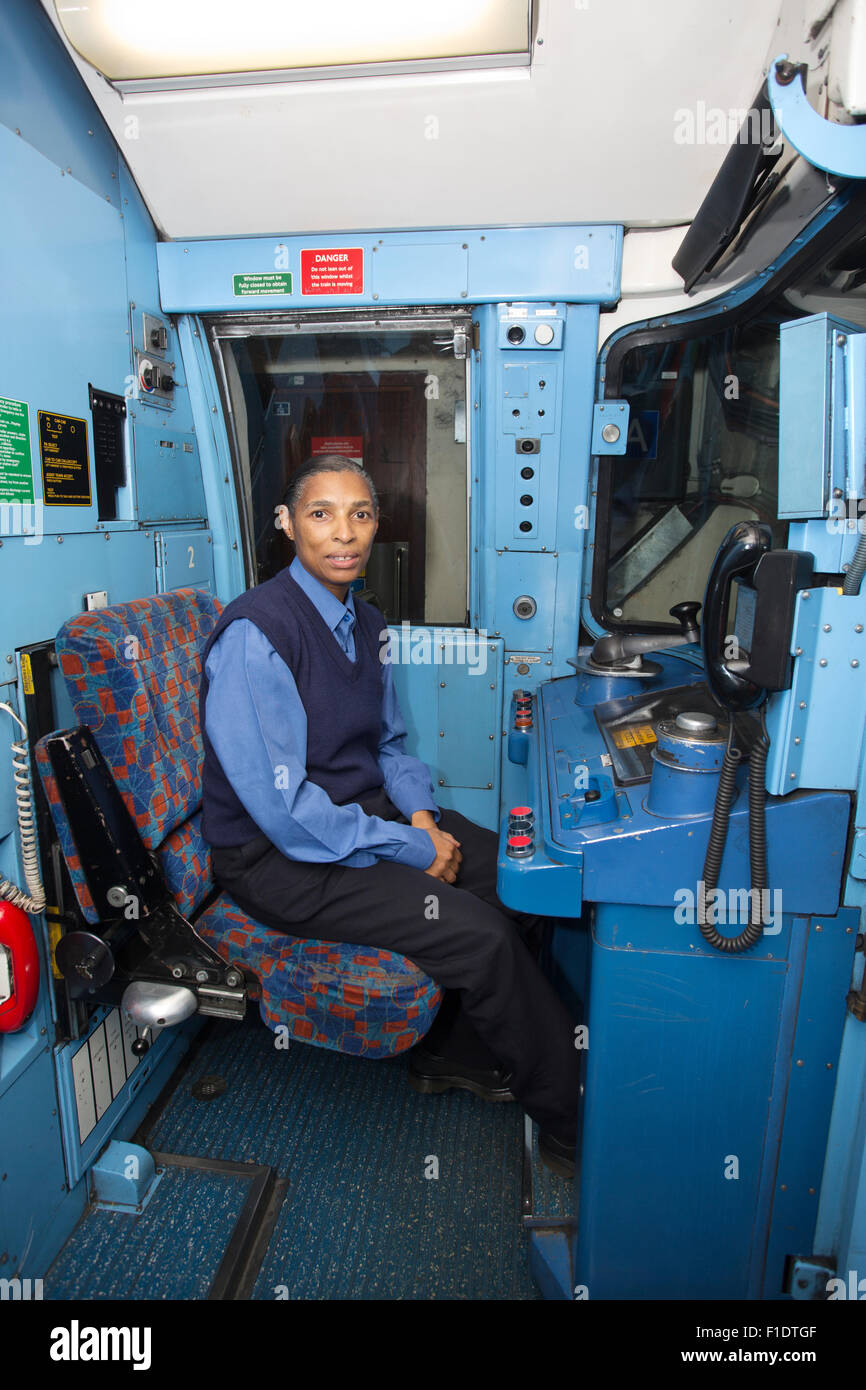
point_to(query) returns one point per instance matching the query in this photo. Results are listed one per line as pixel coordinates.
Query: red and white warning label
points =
(349, 445)
(333, 270)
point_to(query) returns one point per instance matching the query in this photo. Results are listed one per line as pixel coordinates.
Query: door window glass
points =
(392, 397)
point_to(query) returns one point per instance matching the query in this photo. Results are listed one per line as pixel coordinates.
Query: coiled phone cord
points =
(34, 899)
(757, 842)
(758, 823)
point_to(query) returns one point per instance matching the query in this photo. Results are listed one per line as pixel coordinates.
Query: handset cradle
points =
(738, 557)
(775, 577)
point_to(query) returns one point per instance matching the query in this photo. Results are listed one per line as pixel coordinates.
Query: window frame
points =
(713, 316)
(221, 328)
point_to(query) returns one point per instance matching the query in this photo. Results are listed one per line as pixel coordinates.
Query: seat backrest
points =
(133, 673)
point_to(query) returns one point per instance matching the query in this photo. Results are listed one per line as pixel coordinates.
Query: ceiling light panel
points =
(185, 38)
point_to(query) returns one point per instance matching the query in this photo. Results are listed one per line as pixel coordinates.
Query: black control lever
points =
(617, 649)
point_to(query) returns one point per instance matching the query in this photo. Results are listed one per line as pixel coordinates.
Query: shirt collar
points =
(330, 607)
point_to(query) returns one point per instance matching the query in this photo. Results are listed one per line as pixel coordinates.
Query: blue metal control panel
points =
(692, 1097)
(611, 840)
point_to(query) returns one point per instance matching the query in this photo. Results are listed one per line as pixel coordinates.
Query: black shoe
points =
(429, 1074)
(556, 1155)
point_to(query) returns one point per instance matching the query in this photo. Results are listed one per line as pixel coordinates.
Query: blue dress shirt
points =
(258, 727)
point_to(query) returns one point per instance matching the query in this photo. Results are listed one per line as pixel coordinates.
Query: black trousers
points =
(499, 1008)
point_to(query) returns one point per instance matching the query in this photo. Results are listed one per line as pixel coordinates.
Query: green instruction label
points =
(276, 282)
(16, 472)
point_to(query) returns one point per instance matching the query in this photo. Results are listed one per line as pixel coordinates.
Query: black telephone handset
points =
(775, 577)
(738, 557)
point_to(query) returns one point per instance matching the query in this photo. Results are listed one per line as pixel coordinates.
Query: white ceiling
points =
(586, 135)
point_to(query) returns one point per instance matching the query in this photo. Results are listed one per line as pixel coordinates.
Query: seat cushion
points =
(359, 999)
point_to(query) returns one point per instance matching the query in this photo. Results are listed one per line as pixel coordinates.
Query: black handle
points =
(738, 556)
(686, 614)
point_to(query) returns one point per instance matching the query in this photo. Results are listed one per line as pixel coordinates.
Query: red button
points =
(519, 841)
(520, 812)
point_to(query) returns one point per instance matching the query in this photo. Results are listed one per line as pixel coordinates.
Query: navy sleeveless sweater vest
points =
(342, 700)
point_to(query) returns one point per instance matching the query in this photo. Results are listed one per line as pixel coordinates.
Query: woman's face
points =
(333, 526)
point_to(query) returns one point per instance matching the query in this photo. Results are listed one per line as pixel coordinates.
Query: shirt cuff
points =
(418, 851)
(410, 796)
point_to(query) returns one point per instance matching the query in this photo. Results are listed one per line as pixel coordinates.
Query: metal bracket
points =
(610, 427)
(809, 1275)
(123, 1178)
(838, 149)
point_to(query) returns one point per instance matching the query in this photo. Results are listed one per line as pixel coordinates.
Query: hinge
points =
(458, 343)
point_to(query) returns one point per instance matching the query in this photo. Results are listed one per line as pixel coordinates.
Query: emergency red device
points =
(19, 968)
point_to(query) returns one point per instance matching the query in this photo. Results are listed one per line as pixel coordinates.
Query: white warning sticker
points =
(101, 1076)
(85, 1104)
(114, 1039)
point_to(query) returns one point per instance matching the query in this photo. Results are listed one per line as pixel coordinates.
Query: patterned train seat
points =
(133, 674)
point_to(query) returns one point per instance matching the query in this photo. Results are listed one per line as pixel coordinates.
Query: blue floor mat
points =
(391, 1195)
(173, 1250)
(361, 1218)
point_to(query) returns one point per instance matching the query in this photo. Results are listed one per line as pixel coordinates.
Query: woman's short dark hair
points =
(327, 463)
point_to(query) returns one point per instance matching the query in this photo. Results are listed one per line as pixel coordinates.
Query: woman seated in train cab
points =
(322, 826)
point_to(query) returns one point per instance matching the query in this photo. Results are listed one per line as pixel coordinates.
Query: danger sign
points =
(350, 446)
(333, 270)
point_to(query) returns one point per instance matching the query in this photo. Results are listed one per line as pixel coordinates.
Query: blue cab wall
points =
(78, 248)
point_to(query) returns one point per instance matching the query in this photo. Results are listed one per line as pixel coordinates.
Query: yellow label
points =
(26, 674)
(54, 934)
(630, 738)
